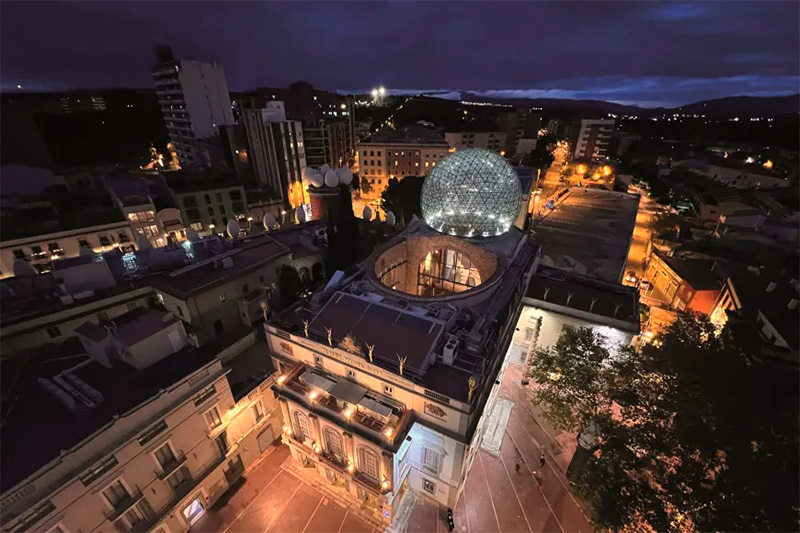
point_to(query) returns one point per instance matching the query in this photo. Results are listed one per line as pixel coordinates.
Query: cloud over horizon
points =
(647, 53)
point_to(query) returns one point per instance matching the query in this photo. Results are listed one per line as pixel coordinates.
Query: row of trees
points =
(691, 434)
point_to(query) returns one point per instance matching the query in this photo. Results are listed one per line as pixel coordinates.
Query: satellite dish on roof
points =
(345, 176)
(191, 235)
(268, 221)
(22, 268)
(300, 214)
(366, 214)
(331, 178)
(390, 218)
(313, 177)
(233, 228)
(142, 243)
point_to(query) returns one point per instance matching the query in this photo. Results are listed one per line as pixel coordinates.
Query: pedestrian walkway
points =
(498, 496)
(496, 426)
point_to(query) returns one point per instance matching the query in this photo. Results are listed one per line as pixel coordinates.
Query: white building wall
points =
(82, 508)
(205, 92)
(68, 242)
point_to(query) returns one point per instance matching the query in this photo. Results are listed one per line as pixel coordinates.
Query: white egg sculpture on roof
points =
(313, 177)
(191, 235)
(331, 178)
(300, 214)
(345, 176)
(233, 229)
(366, 214)
(269, 221)
(324, 169)
(390, 219)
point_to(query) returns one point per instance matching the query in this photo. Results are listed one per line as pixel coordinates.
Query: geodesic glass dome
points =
(472, 193)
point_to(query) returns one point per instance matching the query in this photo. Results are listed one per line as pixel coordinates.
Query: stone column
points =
(287, 418)
(315, 432)
(349, 452)
(387, 468)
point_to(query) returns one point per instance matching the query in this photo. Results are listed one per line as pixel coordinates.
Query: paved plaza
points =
(496, 497)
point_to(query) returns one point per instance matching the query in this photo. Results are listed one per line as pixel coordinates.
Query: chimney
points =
(771, 286)
(793, 303)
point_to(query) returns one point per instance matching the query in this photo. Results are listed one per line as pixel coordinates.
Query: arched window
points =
(369, 464)
(302, 426)
(333, 443)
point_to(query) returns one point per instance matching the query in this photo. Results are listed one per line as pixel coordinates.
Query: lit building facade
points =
(488, 140)
(194, 100)
(41, 250)
(277, 152)
(146, 445)
(385, 377)
(593, 138)
(396, 154)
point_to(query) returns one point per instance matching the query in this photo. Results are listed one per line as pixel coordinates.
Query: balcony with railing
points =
(368, 412)
(170, 466)
(124, 505)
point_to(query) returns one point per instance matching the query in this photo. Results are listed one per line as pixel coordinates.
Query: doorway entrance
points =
(194, 510)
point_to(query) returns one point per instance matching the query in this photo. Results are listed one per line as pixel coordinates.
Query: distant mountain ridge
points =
(731, 106)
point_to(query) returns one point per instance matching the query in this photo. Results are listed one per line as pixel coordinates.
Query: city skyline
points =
(650, 54)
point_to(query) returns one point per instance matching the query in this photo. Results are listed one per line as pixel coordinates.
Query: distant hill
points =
(748, 106)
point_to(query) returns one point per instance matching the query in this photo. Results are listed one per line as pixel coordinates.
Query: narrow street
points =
(642, 232)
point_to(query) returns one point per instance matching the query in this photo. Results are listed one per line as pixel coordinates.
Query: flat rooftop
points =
(390, 330)
(589, 232)
(37, 426)
(586, 295)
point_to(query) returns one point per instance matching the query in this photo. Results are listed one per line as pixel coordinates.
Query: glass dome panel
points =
(472, 193)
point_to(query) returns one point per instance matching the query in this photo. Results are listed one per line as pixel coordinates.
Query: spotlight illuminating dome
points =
(472, 193)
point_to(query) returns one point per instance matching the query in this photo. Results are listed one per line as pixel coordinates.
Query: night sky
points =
(642, 53)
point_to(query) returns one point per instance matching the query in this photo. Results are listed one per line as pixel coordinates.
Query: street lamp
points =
(382, 91)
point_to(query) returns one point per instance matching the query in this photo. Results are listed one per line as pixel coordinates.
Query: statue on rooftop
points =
(370, 350)
(402, 361)
(349, 344)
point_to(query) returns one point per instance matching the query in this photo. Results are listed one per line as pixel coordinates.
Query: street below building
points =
(498, 497)
(642, 234)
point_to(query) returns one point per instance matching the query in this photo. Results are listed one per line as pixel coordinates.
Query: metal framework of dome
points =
(472, 193)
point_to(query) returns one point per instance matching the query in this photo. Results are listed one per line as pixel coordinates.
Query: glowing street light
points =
(374, 93)
(382, 91)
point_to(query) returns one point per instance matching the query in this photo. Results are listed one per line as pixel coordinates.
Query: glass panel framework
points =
(472, 193)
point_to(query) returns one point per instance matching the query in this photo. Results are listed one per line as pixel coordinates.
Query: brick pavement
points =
(496, 498)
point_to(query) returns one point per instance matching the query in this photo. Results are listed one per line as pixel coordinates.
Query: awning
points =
(376, 407)
(315, 380)
(347, 391)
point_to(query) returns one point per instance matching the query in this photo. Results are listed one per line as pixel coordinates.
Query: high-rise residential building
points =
(412, 151)
(194, 101)
(592, 141)
(277, 152)
(518, 124)
(328, 120)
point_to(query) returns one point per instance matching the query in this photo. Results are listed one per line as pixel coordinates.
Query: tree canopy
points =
(696, 436)
(402, 197)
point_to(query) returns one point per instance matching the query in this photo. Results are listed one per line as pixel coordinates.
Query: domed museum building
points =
(384, 375)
